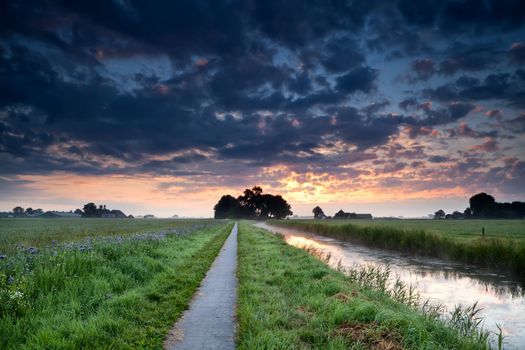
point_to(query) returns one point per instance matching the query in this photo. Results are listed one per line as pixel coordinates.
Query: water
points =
(501, 297)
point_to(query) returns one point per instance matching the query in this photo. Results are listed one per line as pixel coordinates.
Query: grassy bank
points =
(39, 232)
(118, 294)
(463, 230)
(498, 252)
(291, 300)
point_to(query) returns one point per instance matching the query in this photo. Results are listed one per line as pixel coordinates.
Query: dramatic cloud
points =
(325, 98)
(517, 53)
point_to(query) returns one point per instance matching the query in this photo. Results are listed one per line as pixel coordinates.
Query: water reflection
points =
(501, 297)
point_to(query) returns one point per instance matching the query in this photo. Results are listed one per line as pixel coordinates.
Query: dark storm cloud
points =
(341, 54)
(471, 57)
(438, 159)
(408, 103)
(251, 82)
(360, 79)
(441, 116)
(502, 86)
(470, 15)
(517, 53)
(517, 124)
(458, 57)
(424, 68)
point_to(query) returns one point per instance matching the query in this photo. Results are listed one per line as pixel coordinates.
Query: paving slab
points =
(210, 321)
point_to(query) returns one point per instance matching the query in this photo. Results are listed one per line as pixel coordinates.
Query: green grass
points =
(117, 296)
(291, 300)
(502, 248)
(40, 232)
(456, 229)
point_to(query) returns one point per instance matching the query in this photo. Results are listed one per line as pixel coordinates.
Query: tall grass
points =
(504, 255)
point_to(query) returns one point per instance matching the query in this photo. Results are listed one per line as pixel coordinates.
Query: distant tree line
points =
(319, 214)
(90, 211)
(253, 204)
(484, 206)
(19, 211)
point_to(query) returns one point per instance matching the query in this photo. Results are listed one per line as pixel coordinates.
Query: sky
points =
(395, 108)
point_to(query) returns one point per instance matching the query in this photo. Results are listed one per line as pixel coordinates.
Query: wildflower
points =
(16, 295)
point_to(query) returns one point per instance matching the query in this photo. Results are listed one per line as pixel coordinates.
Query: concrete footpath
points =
(210, 322)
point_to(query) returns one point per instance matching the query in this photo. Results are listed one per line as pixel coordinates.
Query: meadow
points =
(123, 287)
(290, 298)
(34, 232)
(502, 247)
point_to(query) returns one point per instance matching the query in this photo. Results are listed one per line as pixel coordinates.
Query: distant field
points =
(460, 229)
(39, 232)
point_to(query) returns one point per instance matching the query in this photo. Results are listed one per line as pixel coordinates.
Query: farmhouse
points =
(342, 215)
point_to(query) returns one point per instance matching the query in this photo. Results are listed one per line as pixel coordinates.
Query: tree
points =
(248, 203)
(518, 209)
(467, 213)
(440, 214)
(252, 204)
(91, 211)
(79, 211)
(457, 215)
(18, 211)
(29, 211)
(318, 213)
(483, 205)
(227, 207)
(278, 207)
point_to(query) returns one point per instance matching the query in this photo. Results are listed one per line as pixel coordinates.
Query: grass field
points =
(33, 232)
(502, 248)
(119, 293)
(291, 300)
(456, 229)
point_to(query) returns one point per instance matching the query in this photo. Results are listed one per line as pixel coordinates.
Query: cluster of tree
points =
(440, 214)
(92, 211)
(253, 204)
(19, 211)
(484, 206)
(319, 214)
